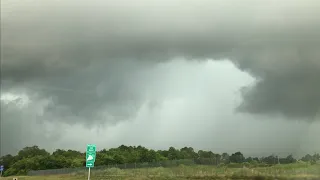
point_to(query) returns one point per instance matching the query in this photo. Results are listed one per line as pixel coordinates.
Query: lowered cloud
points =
(98, 62)
(82, 42)
(188, 104)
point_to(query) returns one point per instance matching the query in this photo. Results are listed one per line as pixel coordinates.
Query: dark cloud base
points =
(95, 45)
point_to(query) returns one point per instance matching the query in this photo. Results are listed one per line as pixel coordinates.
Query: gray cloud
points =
(289, 85)
(22, 124)
(100, 61)
(188, 104)
(73, 44)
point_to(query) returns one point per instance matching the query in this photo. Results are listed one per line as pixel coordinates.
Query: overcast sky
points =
(220, 75)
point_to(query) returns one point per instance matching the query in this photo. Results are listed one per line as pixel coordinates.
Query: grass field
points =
(279, 172)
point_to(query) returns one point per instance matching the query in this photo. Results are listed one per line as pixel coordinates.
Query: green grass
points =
(280, 172)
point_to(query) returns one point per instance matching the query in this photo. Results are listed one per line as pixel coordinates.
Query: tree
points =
(29, 152)
(217, 159)
(225, 158)
(316, 157)
(188, 153)
(270, 159)
(237, 158)
(205, 154)
(249, 159)
(144, 155)
(35, 158)
(307, 158)
(289, 159)
(119, 159)
(173, 153)
(7, 160)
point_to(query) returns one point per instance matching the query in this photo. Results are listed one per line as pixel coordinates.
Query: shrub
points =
(234, 165)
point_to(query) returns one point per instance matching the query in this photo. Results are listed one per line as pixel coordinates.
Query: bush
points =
(234, 165)
(246, 164)
(185, 162)
(112, 171)
(221, 165)
(263, 165)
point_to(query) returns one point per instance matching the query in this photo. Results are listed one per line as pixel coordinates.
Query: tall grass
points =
(280, 172)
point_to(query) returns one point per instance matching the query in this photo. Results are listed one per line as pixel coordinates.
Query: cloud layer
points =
(277, 41)
(100, 61)
(196, 110)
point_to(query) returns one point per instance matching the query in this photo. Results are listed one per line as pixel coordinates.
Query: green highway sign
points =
(90, 155)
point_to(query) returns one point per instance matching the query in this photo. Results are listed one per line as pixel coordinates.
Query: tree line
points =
(35, 158)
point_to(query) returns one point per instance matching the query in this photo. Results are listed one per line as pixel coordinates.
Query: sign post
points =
(90, 157)
(1, 170)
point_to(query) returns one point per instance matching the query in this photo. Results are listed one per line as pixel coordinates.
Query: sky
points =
(211, 74)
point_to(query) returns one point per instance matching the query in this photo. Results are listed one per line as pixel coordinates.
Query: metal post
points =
(89, 174)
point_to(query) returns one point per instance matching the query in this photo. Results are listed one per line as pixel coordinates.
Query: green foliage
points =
(237, 158)
(34, 158)
(234, 165)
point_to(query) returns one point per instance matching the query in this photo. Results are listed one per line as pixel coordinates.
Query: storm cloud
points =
(187, 104)
(99, 61)
(80, 42)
